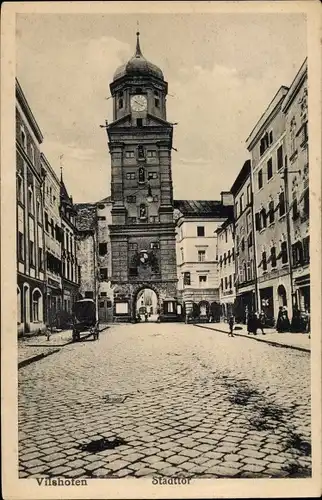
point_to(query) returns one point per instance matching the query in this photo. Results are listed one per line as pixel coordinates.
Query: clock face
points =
(138, 103)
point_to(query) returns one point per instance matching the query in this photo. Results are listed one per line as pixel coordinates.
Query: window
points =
(157, 102)
(271, 212)
(281, 204)
(130, 176)
(241, 204)
(202, 280)
(19, 188)
(201, 255)
(23, 140)
(295, 211)
(233, 254)
(242, 244)
(228, 256)
(200, 231)
(21, 247)
(230, 281)
(131, 199)
(101, 304)
(226, 236)
(120, 103)
(273, 256)
(30, 201)
(248, 195)
(226, 282)
(101, 218)
(260, 179)
(222, 283)
(182, 254)
(139, 122)
(129, 154)
(143, 211)
(304, 134)
(297, 253)
(250, 240)
(31, 253)
(151, 154)
(36, 299)
(186, 278)
(264, 144)
(89, 295)
(152, 175)
(102, 248)
(32, 153)
(103, 294)
(236, 210)
(38, 210)
(257, 221)
(269, 169)
(280, 158)
(284, 252)
(306, 250)
(40, 258)
(306, 204)
(103, 273)
(264, 261)
(52, 227)
(271, 137)
(264, 218)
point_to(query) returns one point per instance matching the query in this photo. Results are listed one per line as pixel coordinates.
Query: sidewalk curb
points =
(38, 357)
(270, 342)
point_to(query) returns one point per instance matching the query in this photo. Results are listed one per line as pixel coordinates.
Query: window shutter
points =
(257, 222)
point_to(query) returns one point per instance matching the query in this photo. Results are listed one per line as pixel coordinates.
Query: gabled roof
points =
(203, 208)
(64, 196)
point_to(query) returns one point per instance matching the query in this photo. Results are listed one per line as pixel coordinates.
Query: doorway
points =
(147, 306)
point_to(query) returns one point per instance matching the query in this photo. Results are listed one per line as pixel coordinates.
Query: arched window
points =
(36, 305)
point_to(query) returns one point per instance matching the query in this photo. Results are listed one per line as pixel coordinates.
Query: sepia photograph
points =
(162, 242)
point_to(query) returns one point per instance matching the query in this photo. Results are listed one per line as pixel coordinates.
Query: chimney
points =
(227, 198)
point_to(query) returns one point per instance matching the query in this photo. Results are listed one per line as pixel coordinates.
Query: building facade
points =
(142, 231)
(30, 230)
(244, 245)
(226, 260)
(53, 242)
(266, 145)
(69, 261)
(197, 261)
(295, 108)
(104, 261)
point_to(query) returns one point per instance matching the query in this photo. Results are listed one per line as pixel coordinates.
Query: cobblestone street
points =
(169, 399)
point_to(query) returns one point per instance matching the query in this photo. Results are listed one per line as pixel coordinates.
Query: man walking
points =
(231, 326)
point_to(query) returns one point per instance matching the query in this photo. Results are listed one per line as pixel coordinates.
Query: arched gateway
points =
(142, 231)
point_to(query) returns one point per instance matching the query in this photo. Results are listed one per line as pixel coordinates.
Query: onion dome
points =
(138, 65)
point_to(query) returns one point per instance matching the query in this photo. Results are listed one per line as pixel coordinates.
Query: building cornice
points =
(28, 113)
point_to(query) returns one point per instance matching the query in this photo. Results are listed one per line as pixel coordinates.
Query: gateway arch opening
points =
(147, 306)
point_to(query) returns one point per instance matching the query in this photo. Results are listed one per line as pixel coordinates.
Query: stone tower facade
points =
(142, 230)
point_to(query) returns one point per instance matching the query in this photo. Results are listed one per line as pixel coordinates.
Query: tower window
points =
(157, 103)
(139, 122)
(138, 90)
(120, 103)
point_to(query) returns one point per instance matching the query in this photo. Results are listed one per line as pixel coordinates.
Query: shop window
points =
(200, 231)
(102, 248)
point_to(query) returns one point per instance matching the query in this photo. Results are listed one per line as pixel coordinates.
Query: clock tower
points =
(142, 230)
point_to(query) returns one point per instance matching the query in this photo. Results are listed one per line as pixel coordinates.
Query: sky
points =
(222, 69)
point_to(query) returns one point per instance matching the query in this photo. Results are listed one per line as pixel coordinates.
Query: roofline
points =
(27, 110)
(53, 173)
(295, 85)
(241, 178)
(266, 117)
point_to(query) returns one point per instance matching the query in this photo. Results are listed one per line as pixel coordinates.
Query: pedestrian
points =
(250, 323)
(261, 321)
(297, 321)
(146, 316)
(255, 323)
(231, 326)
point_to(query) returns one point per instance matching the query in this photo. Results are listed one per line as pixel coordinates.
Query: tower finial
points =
(61, 168)
(138, 52)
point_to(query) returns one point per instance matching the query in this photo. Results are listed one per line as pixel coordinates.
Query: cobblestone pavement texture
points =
(180, 400)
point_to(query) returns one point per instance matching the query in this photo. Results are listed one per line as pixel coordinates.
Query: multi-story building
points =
(70, 269)
(226, 260)
(30, 234)
(197, 260)
(142, 231)
(266, 143)
(245, 255)
(104, 260)
(295, 108)
(53, 242)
